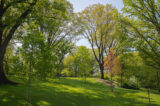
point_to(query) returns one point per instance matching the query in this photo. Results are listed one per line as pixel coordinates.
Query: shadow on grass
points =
(67, 92)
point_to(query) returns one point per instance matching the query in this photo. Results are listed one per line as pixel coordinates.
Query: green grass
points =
(74, 92)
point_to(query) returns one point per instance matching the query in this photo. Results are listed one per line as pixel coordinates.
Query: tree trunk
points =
(5, 41)
(102, 71)
(3, 78)
(158, 86)
(29, 86)
(76, 71)
(111, 81)
(121, 80)
(6, 67)
(149, 98)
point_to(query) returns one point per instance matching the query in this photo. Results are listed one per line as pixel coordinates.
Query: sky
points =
(80, 5)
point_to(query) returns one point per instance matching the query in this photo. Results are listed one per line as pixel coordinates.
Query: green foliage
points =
(60, 51)
(65, 72)
(141, 22)
(135, 72)
(79, 62)
(37, 53)
(46, 29)
(48, 21)
(17, 66)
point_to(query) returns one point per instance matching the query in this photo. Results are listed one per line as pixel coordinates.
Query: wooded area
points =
(38, 44)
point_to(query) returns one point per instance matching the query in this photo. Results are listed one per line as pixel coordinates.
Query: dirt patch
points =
(106, 82)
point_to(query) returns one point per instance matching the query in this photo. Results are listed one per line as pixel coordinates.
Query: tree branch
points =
(17, 24)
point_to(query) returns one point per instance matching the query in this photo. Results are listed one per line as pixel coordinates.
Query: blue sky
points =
(79, 5)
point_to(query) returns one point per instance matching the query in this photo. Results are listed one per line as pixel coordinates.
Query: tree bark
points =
(158, 86)
(76, 71)
(6, 66)
(102, 71)
(3, 78)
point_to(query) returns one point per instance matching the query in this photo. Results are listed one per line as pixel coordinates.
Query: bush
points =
(106, 77)
(131, 83)
(65, 73)
(129, 86)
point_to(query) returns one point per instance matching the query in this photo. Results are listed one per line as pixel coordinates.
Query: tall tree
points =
(37, 53)
(143, 29)
(48, 14)
(62, 49)
(98, 24)
(55, 20)
(12, 15)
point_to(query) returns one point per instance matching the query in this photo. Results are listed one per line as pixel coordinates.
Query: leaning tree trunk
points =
(3, 78)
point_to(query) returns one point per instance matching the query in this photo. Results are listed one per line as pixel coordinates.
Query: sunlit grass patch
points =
(74, 92)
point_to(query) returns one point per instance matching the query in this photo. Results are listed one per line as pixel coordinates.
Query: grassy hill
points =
(74, 92)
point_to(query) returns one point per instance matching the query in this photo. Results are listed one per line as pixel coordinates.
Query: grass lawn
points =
(74, 92)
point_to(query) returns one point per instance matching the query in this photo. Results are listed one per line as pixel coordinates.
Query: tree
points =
(112, 64)
(98, 24)
(37, 52)
(70, 67)
(135, 72)
(37, 56)
(61, 50)
(30, 50)
(84, 59)
(17, 65)
(79, 62)
(7, 58)
(55, 19)
(143, 29)
(56, 22)
(12, 15)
